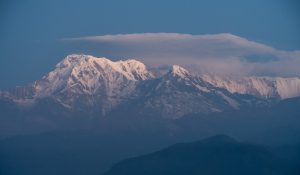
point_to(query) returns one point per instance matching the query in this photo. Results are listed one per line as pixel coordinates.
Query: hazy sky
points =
(31, 30)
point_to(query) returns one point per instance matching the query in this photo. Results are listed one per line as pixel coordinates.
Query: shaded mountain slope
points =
(218, 155)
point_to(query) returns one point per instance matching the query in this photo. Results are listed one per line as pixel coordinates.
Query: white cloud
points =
(220, 53)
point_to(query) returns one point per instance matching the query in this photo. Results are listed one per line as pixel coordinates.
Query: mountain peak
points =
(131, 68)
(178, 71)
(86, 74)
(74, 60)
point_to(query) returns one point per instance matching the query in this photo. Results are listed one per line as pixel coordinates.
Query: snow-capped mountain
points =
(84, 74)
(178, 93)
(84, 82)
(97, 86)
(264, 87)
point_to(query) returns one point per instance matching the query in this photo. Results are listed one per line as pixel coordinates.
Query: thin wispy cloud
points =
(223, 54)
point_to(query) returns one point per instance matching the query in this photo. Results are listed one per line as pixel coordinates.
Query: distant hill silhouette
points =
(218, 155)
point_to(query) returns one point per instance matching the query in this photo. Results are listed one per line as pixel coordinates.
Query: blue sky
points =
(30, 29)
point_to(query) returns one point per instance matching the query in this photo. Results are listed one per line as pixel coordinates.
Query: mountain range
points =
(84, 87)
(93, 112)
(97, 86)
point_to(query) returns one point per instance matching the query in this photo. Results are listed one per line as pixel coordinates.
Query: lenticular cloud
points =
(223, 54)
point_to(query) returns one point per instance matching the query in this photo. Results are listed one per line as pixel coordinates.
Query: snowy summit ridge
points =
(264, 87)
(87, 73)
